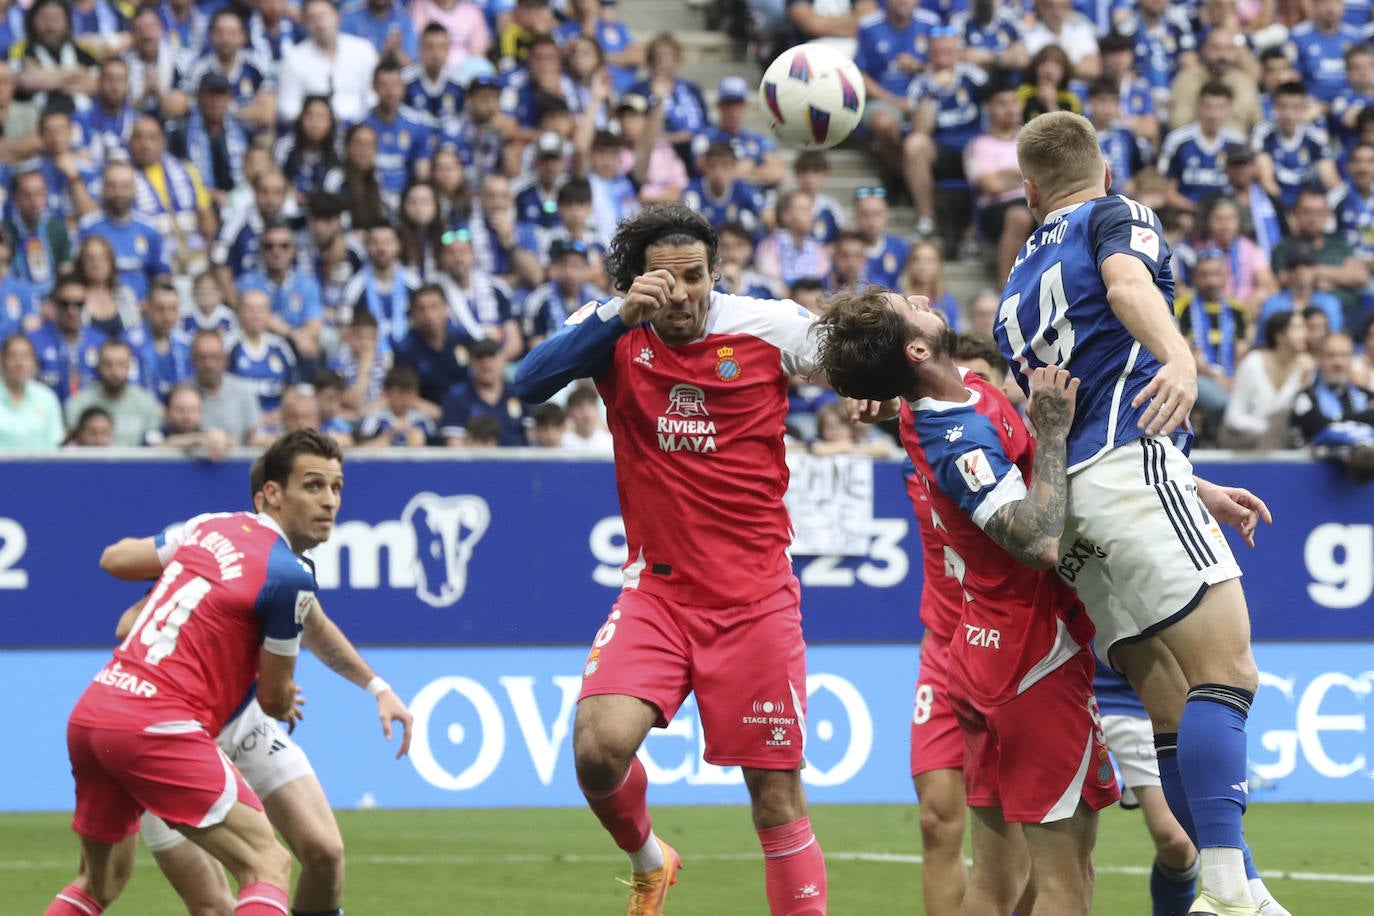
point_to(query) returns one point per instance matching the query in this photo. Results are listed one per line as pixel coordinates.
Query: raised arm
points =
(132, 559)
(1029, 528)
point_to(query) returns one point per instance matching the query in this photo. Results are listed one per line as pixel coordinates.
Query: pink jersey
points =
(699, 458)
(230, 587)
(1016, 624)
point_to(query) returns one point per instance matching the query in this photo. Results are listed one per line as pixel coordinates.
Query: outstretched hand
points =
(391, 709)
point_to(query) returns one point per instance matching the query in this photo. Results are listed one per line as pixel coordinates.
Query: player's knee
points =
(941, 827)
(322, 854)
(1173, 848)
(599, 765)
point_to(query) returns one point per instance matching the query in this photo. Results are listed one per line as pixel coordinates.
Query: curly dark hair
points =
(862, 345)
(661, 224)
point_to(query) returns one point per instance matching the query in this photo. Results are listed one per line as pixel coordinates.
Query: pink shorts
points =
(747, 665)
(1036, 755)
(936, 742)
(182, 777)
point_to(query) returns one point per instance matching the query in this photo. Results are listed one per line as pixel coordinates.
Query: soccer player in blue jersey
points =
(1193, 157)
(1319, 45)
(1093, 286)
(1293, 152)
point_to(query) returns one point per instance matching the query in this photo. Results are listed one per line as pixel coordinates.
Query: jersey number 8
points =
(159, 623)
(1054, 313)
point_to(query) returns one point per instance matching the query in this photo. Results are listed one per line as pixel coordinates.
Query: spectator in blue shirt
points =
(886, 253)
(475, 135)
(236, 250)
(485, 394)
(481, 304)
(759, 161)
(436, 347)
(137, 243)
(69, 173)
(812, 171)
(569, 288)
(737, 275)
(258, 355)
(1193, 158)
(536, 195)
(505, 247)
(893, 48)
(385, 24)
(992, 36)
(1126, 154)
(403, 146)
(432, 86)
(162, 352)
(1355, 96)
(297, 312)
(37, 237)
(1353, 202)
(109, 122)
(18, 301)
(383, 286)
(543, 74)
(600, 21)
(1136, 104)
(309, 151)
(574, 224)
(401, 419)
(1319, 45)
(1164, 42)
(946, 100)
(1292, 150)
(68, 350)
(684, 109)
(722, 197)
(252, 86)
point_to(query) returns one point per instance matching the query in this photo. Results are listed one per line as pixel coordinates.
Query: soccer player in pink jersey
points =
(228, 609)
(695, 385)
(1020, 671)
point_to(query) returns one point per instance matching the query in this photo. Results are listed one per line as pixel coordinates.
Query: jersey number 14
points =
(160, 621)
(1054, 313)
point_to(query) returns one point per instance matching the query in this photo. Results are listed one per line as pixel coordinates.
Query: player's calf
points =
(1061, 863)
(943, 812)
(794, 866)
(104, 871)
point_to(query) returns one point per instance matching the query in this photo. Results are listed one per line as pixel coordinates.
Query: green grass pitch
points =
(1320, 859)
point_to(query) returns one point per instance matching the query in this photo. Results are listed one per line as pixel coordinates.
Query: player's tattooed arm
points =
(1029, 529)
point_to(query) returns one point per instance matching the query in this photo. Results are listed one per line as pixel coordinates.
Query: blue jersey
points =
(402, 141)
(1124, 152)
(1341, 103)
(464, 403)
(441, 99)
(1354, 217)
(156, 370)
(519, 100)
(360, 21)
(137, 247)
(382, 422)
(748, 146)
(741, 203)
(1320, 57)
(1295, 158)
(614, 37)
(440, 370)
(829, 222)
(479, 146)
(1115, 696)
(880, 44)
(535, 205)
(106, 132)
(885, 261)
(958, 111)
(222, 319)
(66, 366)
(59, 188)
(1136, 98)
(1197, 165)
(1157, 47)
(295, 300)
(269, 365)
(389, 305)
(247, 76)
(996, 35)
(18, 301)
(1054, 312)
(547, 308)
(683, 109)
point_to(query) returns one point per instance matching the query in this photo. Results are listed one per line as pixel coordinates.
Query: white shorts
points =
(1132, 742)
(263, 752)
(1138, 544)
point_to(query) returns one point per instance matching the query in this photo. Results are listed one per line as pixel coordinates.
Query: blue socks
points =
(1172, 891)
(1212, 762)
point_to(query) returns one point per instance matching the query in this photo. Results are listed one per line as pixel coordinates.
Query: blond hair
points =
(1059, 152)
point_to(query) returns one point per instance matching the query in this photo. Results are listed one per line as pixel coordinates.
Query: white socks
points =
(648, 858)
(1223, 874)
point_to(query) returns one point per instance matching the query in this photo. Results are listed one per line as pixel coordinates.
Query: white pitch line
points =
(881, 858)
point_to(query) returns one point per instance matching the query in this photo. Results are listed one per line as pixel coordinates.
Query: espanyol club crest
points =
(728, 368)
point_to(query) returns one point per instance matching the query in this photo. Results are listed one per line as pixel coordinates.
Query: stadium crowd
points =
(223, 221)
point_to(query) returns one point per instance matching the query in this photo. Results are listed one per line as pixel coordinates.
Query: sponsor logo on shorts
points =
(114, 676)
(768, 712)
(1079, 555)
(592, 664)
(779, 737)
(982, 637)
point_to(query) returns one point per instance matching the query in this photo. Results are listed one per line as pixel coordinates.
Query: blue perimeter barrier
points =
(512, 557)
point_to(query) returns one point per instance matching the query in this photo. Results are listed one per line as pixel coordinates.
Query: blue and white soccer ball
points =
(814, 95)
